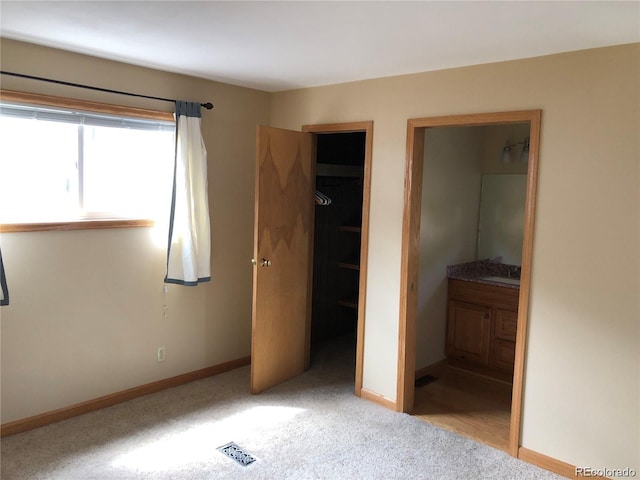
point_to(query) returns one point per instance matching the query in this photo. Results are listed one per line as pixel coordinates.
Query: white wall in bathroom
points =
(501, 219)
(448, 228)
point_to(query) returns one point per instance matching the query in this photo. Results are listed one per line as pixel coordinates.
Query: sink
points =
(511, 281)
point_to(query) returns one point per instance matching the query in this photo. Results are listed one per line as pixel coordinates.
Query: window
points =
(61, 164)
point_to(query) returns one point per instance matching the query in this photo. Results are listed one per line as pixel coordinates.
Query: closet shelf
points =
(349, 302)
(336, 170)
(349, 265)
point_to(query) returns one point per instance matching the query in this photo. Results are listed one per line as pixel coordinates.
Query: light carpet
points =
(312, 427)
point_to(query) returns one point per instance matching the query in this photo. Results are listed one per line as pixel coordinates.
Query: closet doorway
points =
(310, 259)
(343, 171)
(411, 251)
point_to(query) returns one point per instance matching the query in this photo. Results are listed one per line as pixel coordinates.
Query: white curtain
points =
(189, 251)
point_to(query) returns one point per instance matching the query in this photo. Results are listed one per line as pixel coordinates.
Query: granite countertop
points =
(490, 271)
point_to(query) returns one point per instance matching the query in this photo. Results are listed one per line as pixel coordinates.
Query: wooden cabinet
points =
(481, 327)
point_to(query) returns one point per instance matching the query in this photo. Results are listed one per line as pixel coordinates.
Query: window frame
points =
(87, 106)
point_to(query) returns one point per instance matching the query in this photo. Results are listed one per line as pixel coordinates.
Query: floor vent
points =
(427, 379)
(233, 451)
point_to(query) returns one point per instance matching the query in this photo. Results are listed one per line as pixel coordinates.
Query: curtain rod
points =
(207, 105)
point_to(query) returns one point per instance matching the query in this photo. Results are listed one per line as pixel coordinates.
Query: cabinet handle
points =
(486, 315)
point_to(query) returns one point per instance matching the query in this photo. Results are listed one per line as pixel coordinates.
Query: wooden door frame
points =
(411, 245)
(367, 128)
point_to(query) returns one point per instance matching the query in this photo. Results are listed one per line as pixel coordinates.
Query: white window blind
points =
(60, 115)
(60, 164)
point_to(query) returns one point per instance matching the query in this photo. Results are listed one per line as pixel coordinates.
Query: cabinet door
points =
(506, 324)
(503, 355)
(468, 332)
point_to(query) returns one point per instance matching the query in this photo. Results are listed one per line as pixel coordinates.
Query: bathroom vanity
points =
(482, 319)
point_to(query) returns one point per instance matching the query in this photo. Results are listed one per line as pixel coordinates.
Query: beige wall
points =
(581, 398)
(85, 318)
(448, 227)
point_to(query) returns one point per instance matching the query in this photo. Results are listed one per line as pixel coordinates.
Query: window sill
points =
(73, 225)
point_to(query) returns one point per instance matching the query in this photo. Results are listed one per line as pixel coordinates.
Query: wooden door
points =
(283, 255)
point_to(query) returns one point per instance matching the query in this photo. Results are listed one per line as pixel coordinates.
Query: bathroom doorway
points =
(417, 129)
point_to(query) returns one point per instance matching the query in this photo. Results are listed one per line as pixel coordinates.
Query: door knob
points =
(263, 263)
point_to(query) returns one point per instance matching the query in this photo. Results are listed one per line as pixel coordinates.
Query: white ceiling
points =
(277, 46)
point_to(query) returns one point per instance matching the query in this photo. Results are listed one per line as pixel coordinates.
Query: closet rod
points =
(207, 105)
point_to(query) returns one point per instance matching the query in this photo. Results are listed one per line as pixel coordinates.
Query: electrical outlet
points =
(162, 354)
